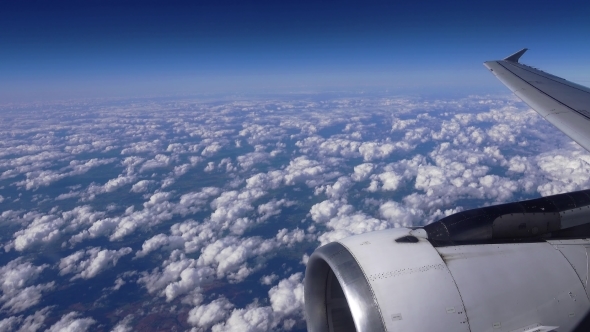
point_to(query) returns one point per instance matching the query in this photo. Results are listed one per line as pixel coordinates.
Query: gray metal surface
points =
(576, 253)
(326, 313)
(563, 103)
(506, 287)
(413, 287)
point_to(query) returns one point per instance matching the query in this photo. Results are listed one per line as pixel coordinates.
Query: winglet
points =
(514, 57)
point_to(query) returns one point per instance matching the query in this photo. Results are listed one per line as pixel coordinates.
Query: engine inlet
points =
(338, 297)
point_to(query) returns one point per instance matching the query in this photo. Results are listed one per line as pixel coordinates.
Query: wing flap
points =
(564, 104)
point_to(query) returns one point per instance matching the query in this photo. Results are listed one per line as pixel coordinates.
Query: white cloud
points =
(141, 186)
(400, 215)
(340, 188)
(142, 147)
(302, 169)
(43, 229)
(124, 325)
(390, 181)
(10, 323)
(31, 323)
(212, 149)
(362, 171)
(160, 241)
(285, 310)
(206, 315)
(16, 278)
(287, 297)
(72, 323)
(374, 150)
(269, 279)
(254, 319)
(89, 263)
(36, 179)
(159, 161)
(272, 208)
(268, 155)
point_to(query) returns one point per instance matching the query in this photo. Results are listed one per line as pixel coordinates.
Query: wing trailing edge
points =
(564, 104)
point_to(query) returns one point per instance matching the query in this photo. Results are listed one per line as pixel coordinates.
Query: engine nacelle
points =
(402, 280)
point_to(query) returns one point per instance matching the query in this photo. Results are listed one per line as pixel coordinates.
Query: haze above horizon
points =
(73, 49)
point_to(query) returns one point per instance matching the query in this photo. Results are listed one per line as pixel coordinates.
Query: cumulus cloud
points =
(31, 323)
(341, 220)
(159, 161)
(269, 279)
(253, 319)
(36, 179)
(72, 323)
(302, 169)
(206, 315)
(272, 208)
(16, 279)
(141, 186)
(124, 325)
(211, 179)
(212, 149)
(285, 310)
(160, 241)
(387, 181)
(362, 171)
(89, 263)
(286, 298)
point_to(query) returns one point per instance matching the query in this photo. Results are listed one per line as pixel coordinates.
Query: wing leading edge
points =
(564, 104)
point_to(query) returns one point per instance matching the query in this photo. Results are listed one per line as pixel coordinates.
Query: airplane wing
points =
(564, 104)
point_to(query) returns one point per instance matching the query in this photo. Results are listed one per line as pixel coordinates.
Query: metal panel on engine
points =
(404, 277)
(576, 253)
(507, 286)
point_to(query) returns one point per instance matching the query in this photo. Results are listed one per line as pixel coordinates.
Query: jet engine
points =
(519, 266)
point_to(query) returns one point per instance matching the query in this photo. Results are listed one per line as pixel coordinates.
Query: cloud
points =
(566, 171)
(272, 208)
(124, 325)
(205, 316)
(71, 323)
(287, 297)
(400, 215)
(141, 186)
(36, 179)
(254, 319)
(285, 310)
(160, 241)
(16, 278)
(10, 323)
(31, 323)
(87, 264)
(269, 279)
(159, 161)
(362, 171)
(375, 150)
(211, 149)
(142, 147)
(390, 181)
(340, 188)
(210, 179)
(43, 229)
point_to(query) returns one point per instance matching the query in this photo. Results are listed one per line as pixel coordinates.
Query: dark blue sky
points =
(71, 49)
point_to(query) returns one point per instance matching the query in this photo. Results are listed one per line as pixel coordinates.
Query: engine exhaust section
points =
(513, 267)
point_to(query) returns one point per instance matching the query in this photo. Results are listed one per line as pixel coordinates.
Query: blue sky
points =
(74, 49)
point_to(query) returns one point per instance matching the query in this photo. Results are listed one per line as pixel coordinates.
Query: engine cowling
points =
(428, 280)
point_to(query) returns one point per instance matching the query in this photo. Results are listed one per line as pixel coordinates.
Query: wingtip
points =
(514, 57)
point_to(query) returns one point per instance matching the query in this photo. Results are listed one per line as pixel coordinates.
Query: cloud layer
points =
(198, 213)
